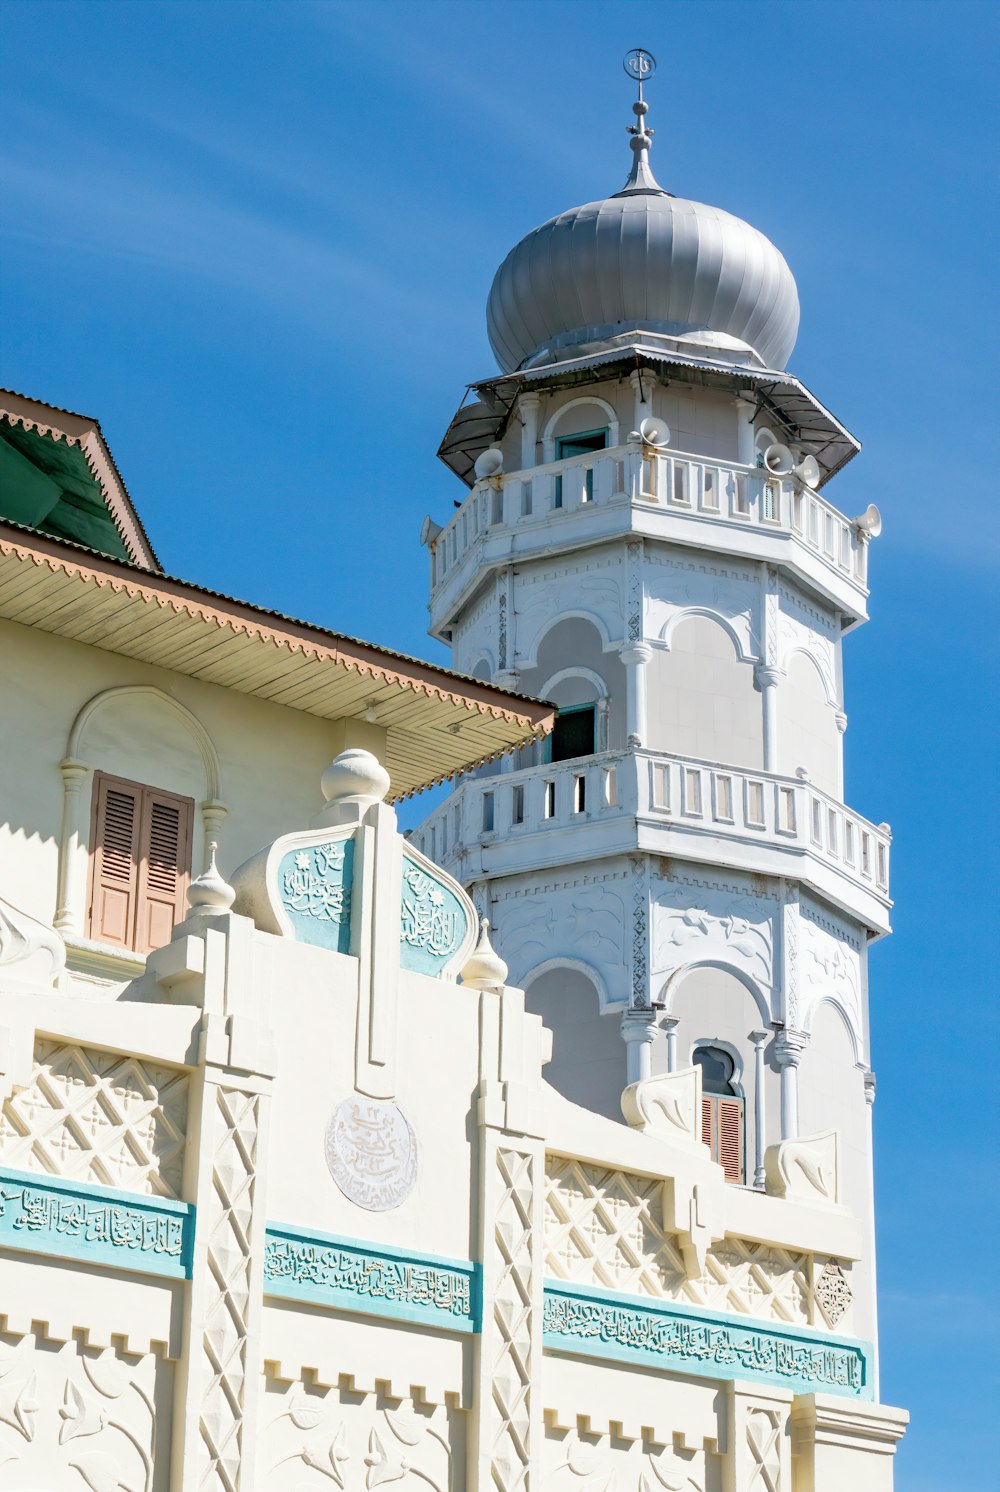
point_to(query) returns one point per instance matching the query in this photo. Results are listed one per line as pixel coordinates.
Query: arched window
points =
(721, 1110)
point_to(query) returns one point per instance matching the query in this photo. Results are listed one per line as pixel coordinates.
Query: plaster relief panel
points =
(829, 967)
(73, 1417)
(91, 1115)
(674, 586)
(578, 1461)
(541, 596)
(695, 921)
(582, 921)
(312, 1438)
(803, 627)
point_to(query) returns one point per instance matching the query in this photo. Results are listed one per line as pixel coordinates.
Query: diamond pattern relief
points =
(234, 1174)
(763, 1431)
(605, 1227)
(512, 1314)
(91, 1115)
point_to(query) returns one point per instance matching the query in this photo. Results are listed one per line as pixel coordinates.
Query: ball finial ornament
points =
(352, 782)
(484, 968)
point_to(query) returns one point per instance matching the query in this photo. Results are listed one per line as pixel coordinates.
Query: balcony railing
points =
(738, 807)
(724, 494)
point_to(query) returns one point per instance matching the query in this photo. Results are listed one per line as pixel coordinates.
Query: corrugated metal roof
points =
(438, 723)
(803, 418)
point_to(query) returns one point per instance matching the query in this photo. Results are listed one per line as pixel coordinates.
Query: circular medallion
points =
(372, 1152)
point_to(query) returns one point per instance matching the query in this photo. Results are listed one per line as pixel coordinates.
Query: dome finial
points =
(640, 65)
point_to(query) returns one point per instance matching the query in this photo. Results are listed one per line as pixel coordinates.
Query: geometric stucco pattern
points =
(763, 1429)
(605, 1228)
(513, 1307)
(230, 1247)
(91, 1115)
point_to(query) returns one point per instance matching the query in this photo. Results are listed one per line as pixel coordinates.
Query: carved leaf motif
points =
(409, 1428)
(305, 1413)
(581, 1458)
(78, 1418)
(380, 1468)
(100, 1472)
(668, 1477)
(107, 1373)
(19, 1410)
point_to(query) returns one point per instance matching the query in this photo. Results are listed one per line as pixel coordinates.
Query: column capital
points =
(759, 1038)
(529, 399)
(789, 1046)
(74, 773)
(767, 675)
(840, 720)
(635, 653)
(869, 1081)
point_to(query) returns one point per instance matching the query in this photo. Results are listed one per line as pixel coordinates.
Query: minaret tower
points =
(673, 877)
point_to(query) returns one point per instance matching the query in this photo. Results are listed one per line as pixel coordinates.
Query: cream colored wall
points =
(832, 1096)
(575, 644)
(807, 729)
(588, 1056)
(270, 758)
(701, 700)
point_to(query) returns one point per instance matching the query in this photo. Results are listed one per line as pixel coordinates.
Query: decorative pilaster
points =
(72, 885)
(767, 674)
(639, 887)
(759, 1039)
(767, 679)
(506, 1443)
(745, 410)
(758, 1456)
(838, 1444)
(505, 621)
(789, 991)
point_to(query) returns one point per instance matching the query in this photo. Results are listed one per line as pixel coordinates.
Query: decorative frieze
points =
(315, 883)
(675, 1339)
(94, 1224)
(343, 1274)
(434, 920)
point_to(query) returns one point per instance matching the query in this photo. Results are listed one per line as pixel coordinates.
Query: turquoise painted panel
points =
(345, 1275)
(95, 1224)
(314, 884)
(683, 1339)
(434, 921)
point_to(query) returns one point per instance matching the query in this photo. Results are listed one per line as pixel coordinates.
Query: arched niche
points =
(807, 724)
(145, 735)
(588, 1054)
(701, 700)
(588, 412)
(572, 659)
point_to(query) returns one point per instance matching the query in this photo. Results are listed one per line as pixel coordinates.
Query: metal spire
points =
(640, 65)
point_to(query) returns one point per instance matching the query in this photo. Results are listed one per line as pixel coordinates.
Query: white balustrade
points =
(678, 483)
(688, 795)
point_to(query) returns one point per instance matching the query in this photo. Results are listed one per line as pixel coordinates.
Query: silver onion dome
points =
(647, 262)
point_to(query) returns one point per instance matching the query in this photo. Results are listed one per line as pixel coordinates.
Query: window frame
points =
(144, 796)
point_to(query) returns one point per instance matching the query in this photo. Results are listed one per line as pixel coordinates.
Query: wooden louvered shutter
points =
(164, 864)
(114, 862)
(730, 1153)
(707, 1126)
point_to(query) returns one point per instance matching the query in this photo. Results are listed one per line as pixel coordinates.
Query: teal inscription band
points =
(314, 883)
(683, 1339)
(95, 1224)
(343, 1274)
(433, 922)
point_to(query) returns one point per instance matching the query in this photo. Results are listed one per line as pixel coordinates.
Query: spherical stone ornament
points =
(372, 1152)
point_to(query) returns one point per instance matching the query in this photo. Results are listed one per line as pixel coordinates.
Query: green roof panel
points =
(46, 484)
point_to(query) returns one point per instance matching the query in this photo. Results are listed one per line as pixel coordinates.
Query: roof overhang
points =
(790, 407)
(437, 723)
(50, 424)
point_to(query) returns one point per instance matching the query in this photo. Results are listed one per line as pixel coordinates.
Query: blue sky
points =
(256, 241)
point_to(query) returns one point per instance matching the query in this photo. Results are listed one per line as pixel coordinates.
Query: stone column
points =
(869, 1082)
(788, 1048)
(670, 1024)
(759, 1039)
(768, 678)
(638, 1029)
(635, 657)
(528, 407)
(642, 384)
(73, 841)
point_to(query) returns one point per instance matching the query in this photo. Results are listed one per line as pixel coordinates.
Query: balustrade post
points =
(635, 657)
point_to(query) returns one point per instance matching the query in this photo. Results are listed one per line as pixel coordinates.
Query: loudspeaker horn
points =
(870, 522)
(779, 460)
(489, 464)
(654, 432)
(429, 531)
(808, 471)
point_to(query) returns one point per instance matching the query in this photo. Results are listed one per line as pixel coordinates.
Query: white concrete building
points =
(296, 1188)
